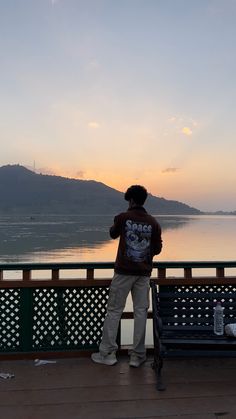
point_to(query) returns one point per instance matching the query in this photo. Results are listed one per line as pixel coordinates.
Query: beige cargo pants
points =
(120, 287)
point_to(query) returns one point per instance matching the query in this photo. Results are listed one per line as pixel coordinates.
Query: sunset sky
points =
(123, 92)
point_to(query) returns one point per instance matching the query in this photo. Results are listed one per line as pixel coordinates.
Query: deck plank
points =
(77, 388)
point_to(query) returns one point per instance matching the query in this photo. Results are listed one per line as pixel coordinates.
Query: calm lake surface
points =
(56, 238)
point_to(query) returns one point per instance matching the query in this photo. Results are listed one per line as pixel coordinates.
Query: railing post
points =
(55, 274)
(220, 272)
(161, 273)
(61, 316)
(26, 319)
(26, 274)
(118, 338)
(90, 273)
(187, 273)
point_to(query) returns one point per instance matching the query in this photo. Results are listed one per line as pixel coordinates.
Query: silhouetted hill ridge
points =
(23, 190)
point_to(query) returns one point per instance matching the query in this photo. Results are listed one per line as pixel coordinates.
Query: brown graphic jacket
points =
(140, 240)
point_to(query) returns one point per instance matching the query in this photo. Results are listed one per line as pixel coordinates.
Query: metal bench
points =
(183, 320)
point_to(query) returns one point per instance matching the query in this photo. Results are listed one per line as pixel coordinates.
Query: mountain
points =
(23, 191)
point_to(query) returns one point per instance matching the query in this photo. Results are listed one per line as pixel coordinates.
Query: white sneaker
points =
(136, 361)
(109, 359)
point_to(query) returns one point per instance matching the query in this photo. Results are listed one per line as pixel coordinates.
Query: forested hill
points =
(24, 191)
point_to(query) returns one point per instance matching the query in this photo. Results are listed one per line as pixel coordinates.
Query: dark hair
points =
(136, 192)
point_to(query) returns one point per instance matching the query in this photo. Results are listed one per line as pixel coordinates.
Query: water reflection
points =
(72, 238)
(49, 234)
(174, 222)
(52, 234)
(203, 238)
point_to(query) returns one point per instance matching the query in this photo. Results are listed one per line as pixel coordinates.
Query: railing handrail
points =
(55, 265)
(110, 265)
(161, 273)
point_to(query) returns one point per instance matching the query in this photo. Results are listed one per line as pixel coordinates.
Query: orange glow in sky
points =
(151, 103)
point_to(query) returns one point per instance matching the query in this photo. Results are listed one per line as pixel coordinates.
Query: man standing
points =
(140, 240)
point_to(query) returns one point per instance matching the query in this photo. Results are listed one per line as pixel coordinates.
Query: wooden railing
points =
(27, 269)
(184, 269)
(63, 311)
(210, 271)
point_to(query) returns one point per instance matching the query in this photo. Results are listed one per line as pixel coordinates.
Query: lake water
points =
(54, 238)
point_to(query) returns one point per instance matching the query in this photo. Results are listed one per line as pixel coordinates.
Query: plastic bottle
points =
(218, 319)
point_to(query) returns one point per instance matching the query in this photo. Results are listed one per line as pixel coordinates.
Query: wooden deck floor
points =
(80, 389)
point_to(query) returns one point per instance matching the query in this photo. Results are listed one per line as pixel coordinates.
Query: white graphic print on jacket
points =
(137, 239)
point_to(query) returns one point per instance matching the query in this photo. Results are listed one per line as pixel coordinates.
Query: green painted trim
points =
(25, 319)
(110, 265)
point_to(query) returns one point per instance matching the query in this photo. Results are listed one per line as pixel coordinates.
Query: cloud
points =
(187, 131)
(170, 170)
(45, 171)
(184, 124)
(59, 171)
(172, 119)
(195, 123)
(53, 2)
(93, 124)
(79, 174)
(93, 65)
